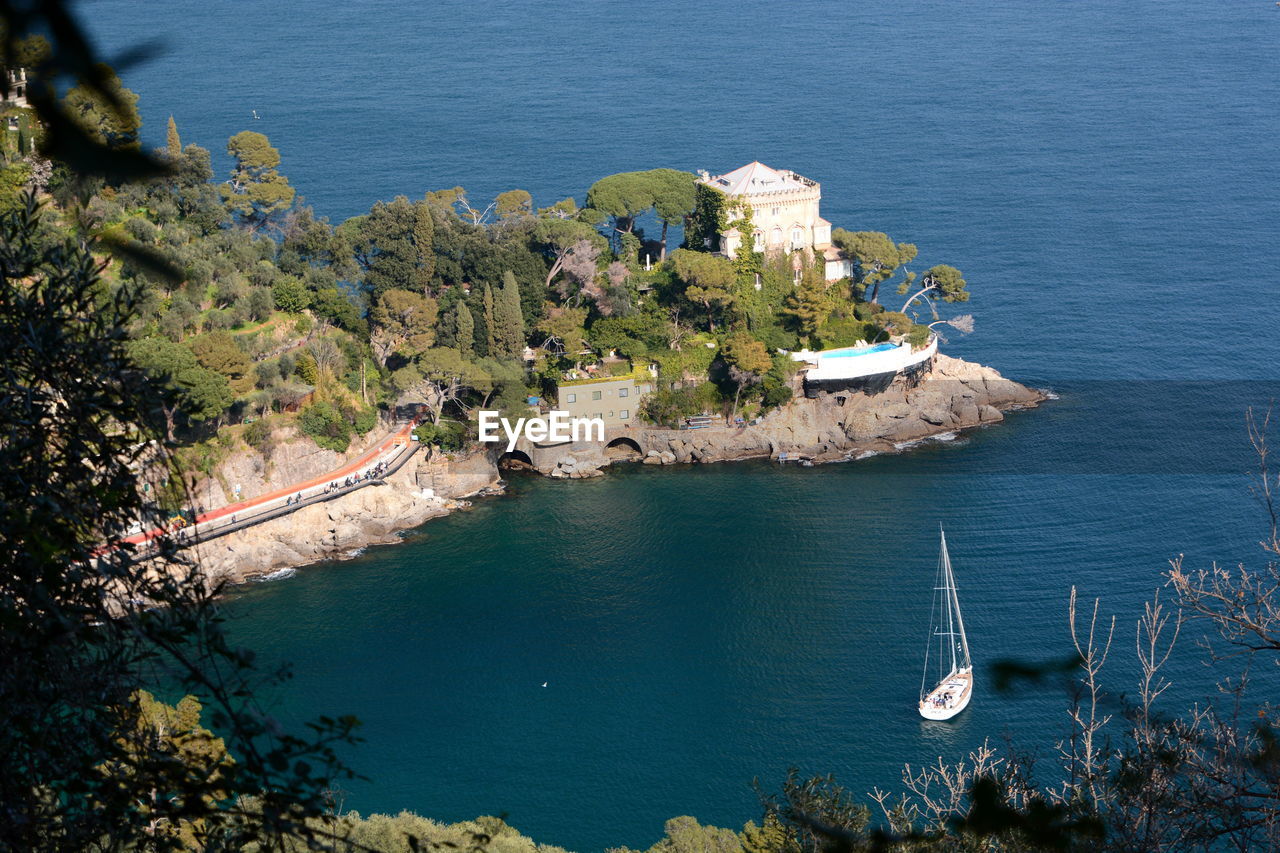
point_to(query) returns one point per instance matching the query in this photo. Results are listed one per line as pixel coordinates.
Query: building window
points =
(795, 279)
(625, 414)
(759, 240)
(572, 398)
(598, 416)
(595, 395)
(775, 211)
(611, 414)
(622, 392)
(758, 281)
(797, 236)
(775, 236)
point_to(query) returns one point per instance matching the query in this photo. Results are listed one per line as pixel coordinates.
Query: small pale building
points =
(784, 213)
(614, 400)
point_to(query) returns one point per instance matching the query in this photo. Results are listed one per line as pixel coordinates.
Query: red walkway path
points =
(398, 438)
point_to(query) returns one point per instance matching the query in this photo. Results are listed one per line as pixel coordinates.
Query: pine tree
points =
(174, 143)
(257, 191)
(423, 242)
(490, 335)
(466, 327)
(508, 319)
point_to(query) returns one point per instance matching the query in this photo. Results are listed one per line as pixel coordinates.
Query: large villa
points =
(784, 211)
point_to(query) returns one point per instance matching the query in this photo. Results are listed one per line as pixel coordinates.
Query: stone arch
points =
(623, 449)
(516, 459)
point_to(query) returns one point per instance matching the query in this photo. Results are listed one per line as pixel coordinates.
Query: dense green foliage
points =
(250, 306)
(88, 760)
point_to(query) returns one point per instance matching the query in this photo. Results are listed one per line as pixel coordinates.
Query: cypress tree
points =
(508, 318)
(423, 242)
(174, 143)
(466, 330)
(490, 336)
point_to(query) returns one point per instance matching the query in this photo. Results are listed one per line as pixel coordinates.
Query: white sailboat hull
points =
(950, 697)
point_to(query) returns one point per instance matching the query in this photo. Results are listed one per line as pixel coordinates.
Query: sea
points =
(591, 658)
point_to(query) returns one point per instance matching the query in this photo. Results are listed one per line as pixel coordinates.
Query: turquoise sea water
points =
(1105, 175)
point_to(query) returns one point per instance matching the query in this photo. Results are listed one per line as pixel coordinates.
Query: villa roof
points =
(756, 177)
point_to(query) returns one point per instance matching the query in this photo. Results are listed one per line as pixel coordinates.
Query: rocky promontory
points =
(953, 395)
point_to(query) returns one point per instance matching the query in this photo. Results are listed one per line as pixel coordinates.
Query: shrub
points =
(844, 332)
(671, 405)
(142, 230)
(257, 434)
(775, 392)
(865, 310)
(774, 337)
(266, 372)
(364, 419)
(307, 369)
(448, 435)
(324, 423)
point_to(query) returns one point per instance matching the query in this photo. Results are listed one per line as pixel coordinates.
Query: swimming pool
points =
(849, 352)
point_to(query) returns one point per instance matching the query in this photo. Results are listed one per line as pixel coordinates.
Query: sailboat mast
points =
(954, 605)
(946, 599)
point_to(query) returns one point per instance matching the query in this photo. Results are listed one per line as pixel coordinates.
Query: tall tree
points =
(466, 329)
(173, 143)
(394, 245)
(629, 195)
(198, 392)
(424, 248)
(513, 203)
(809, 305)
(218, 352)
(403, 322)
(561, 238)
(257, 191)
(943, 281)
(490, 334)
(875, 257)
(508, 335)
(708, 279)
(747, 360)
(437, 377)
(565, 330)
(673, 199)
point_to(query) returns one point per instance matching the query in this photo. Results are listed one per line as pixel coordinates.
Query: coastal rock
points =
(425, 488)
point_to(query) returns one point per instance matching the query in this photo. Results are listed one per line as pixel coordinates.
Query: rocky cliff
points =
(430, 485)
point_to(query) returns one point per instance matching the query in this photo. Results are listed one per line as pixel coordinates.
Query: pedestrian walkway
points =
(369, 468)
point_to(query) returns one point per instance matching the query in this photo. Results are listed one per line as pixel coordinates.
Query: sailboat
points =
(953, 685)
